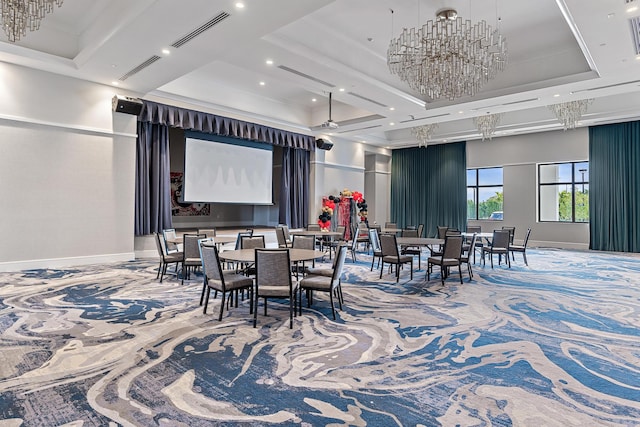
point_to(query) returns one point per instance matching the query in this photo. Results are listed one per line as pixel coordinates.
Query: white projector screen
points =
(218, 172)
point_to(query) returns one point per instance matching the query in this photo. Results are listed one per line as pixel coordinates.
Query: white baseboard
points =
(557, 245)
(37, 264)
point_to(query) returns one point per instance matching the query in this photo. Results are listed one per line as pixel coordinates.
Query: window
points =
(563, 192)
(484, 193)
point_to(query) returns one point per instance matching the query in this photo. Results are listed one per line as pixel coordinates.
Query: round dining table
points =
(219, 240)
(249, 255)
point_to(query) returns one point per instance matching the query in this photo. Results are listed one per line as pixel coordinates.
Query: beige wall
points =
(67, 165)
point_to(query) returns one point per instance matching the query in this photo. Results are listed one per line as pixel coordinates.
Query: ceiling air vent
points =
(635, 31)
(368, 99)
(139, 68)
(201, 29)
(306, 76)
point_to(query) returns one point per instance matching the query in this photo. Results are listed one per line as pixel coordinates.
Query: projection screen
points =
(222, 172)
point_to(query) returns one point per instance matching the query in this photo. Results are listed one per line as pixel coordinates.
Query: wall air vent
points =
(635, 32)
(139, 68)
(368, 99)
(201, 29)
(306, 76)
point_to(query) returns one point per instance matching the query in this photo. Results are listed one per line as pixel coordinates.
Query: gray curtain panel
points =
(614, 187)
(429, 186)
(294, 190)
(153, 186)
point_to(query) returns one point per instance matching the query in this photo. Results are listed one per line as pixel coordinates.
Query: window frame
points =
(574, 183)
(476, 191)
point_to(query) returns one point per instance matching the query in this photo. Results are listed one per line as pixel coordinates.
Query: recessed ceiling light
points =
(313, 100)
(445, 140)
(556, 95)
(632, 9)
(341, 89)
(269, 62)
(638, 57)
(240, 5)
(262, 83)
(115, 83)
(611, 15)
(392, 124)
(166, 52)
(460, 112)
(392, 108)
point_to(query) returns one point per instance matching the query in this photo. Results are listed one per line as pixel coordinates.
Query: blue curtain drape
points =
(199, 121)
(429, 186)
(153, 187)
(153, 180)
(294, 191)
(614, 187)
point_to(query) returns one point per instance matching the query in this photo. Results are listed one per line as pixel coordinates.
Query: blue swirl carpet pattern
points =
(553, 344)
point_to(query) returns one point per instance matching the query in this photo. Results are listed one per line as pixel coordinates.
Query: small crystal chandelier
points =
(423, 133)
(18, 15)
(570, 112)
(447, 58)
(487, 124)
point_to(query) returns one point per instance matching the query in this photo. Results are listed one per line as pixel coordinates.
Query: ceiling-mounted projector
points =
(329, 124)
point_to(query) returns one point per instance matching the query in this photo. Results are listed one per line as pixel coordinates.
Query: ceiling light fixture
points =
(18, 15)
(424, 133)
(447, 57)
(568, 113)
(487, 124)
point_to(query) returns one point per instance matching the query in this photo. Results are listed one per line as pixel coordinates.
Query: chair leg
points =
(222, 305)
(412, 268)
(206, 301)
(524, 257)
(460, 272)
(333, 310)
(382, 268)
(160, 269)
(204, 288)
(255, 311)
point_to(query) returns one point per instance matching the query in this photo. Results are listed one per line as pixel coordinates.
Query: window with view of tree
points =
(484, 193)
(563, 192)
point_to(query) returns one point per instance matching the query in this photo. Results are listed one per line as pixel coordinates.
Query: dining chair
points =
(170, 234)
(303, 242)
(338, 240)
(250, 242)
(467, 250)
(374, 239)
(521, 248)
(408, 249)
(390, 225)
(273, 280)
(331, 285)
(281, 239)
(512, 233)
(499, 245)
(390, 255)
(353, 245)
(224, 281)
(205, 241)
(313, 227)
(420, 229)
(191, 256)
(450, 257)
(165, 258)
(473, 229)
(210, 232)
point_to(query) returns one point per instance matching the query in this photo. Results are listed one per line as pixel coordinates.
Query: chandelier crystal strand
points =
(424, 133)
(20, 15)
(569, 113)
(447, 58)
(487, 124)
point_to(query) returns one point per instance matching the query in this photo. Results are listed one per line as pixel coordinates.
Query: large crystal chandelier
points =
(447, 58)
(487, 124)
(424, 133)
(18, 15)
(570, 112)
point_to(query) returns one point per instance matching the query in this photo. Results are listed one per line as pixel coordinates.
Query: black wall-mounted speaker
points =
(323, 144)
(126, 104)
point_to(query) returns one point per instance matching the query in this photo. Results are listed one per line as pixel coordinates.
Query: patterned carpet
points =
(553, 344)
